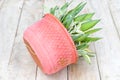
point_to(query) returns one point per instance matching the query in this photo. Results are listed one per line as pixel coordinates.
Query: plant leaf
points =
(63, 10)
(91, 54)
(52, 10)
(85, 56)
(72, 13)
(75, 37)
(65, 6)
(81, 38)
(82, 46)
(83, 17)
(89, 16)
(92, 31)
(89, 24)
(91, 39)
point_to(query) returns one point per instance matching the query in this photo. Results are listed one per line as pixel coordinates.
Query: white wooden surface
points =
(17, 64)
(9, 18)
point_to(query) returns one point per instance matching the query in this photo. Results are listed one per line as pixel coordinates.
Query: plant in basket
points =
(60, 37)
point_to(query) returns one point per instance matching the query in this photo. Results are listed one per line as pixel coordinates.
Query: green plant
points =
(80, 27)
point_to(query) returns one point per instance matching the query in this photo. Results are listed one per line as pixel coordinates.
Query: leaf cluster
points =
(80, 27)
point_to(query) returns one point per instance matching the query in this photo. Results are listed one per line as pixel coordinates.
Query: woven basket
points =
(50, 44)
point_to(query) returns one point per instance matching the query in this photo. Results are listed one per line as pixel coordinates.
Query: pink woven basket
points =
(50, 44)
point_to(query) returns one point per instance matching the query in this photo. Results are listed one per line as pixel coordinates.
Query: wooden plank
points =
(114, 6)
(82, 70)
(107, 49)
(62, 75)
(22, 66)
(1, 3)
(57, 76)
(9, 17)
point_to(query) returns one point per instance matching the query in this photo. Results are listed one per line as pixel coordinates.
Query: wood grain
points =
(108, 53)
(9, 17)
(114, 7)
(21, 65)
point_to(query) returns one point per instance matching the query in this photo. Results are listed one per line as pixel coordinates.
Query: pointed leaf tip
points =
(84, 17)
(87, 58)
(93, 31)
(92, 39)
(89, 24)
(72, 13)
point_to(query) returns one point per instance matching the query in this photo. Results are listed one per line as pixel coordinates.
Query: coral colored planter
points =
(50, 44)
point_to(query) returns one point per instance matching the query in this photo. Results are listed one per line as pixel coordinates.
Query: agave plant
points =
(79, 26)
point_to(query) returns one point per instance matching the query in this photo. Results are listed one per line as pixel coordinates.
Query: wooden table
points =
(17, 64)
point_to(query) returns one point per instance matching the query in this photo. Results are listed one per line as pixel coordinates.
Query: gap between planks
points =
(6, 46)
(16, 32)
(114, 22)
(108, 47)
(29, 15)
(89, 2)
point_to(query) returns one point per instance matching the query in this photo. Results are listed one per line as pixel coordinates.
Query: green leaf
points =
(82, 52)
(91, 54)
(88, 25)
(72, 13)
(68, 22)
(77, 9)
(52, 10)
(75, 37)
(82, 46)
(82, 37)
(92, 31)
(79, 37)
(85, 56)
(91, 39)
(89, 16)
(83, 17)
(65, 6)
(63, 10)
(79, 18)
